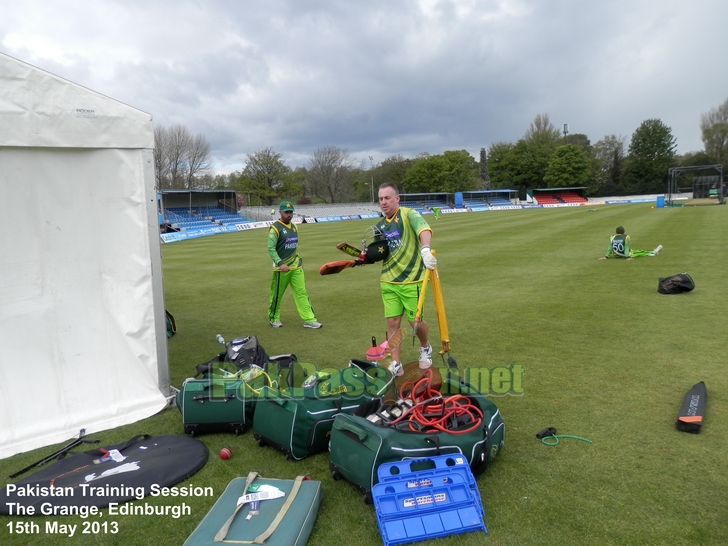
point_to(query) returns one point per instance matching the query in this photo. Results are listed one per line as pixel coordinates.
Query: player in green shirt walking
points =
(619, 247)
(287, 270)
(408, 239)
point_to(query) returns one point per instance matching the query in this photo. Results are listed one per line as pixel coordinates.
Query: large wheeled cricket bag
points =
(285, 520)
(216, 404)
(298, 421)
(361, 443)
(223, 401)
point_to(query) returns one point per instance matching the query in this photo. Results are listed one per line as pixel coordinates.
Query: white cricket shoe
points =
(276, 323)
(425, 357)
(657, 250)
(312, 324)
(396, 368)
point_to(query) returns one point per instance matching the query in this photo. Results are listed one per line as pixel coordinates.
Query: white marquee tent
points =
(82, 327)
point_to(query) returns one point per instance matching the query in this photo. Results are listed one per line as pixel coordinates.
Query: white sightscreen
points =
(79, 333)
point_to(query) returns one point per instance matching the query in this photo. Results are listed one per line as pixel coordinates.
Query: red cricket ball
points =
(225, 453)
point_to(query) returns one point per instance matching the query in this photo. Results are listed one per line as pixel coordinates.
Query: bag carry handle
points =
(129, 442)
(265, 535)
(222, 533)
(260, 539)
(360, 433)
(435, 440)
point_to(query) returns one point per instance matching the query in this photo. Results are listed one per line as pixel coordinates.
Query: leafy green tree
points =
(651, 154)
(714, 128)
(530, 161)
(426, 175)
(392, 170)
(530, 156)
(452, 171)
(568, 167)
(501, 164)
(296, 185)
(483, 174)
(266, 177)
(583, 142)
(695, 159)
(608, 175)
(577, 139)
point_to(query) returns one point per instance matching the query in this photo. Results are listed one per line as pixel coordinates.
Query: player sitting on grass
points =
(619, 247)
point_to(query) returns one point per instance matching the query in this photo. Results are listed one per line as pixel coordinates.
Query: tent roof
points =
(39, 109)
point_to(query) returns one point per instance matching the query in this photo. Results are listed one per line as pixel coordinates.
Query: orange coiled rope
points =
(433, 412)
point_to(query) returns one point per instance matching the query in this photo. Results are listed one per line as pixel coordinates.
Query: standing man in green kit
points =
(287, 269)
(408, 239)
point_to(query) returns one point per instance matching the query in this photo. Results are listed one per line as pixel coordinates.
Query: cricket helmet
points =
(374, 244)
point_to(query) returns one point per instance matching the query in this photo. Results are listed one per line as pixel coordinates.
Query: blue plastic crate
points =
(427, 498)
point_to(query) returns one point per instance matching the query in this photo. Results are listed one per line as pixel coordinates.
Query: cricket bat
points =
(338, 266)
(351, 250)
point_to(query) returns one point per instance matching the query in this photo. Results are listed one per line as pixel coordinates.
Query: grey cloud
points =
(386, 77)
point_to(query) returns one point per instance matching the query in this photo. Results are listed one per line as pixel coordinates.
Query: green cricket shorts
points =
(398, 298)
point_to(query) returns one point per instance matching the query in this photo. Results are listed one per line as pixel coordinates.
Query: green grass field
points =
(606, 358)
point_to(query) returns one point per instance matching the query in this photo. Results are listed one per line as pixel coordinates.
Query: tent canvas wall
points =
(82, 328)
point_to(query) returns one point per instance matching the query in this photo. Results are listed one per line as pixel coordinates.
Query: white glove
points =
(427, 257)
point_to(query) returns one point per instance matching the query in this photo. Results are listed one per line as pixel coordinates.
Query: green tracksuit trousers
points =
(278, 286)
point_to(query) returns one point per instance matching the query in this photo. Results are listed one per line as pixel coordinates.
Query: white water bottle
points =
(220, 339)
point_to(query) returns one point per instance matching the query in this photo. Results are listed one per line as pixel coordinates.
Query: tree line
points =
(544, 157)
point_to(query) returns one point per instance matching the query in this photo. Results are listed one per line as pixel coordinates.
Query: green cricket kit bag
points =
(223, 399)
(220, 403)
(455, 420)
(298, 421)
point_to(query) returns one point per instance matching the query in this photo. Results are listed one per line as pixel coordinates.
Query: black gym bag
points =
(676, 284)
(116, 473)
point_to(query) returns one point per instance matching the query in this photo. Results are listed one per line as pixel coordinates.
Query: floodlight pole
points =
(371, 186)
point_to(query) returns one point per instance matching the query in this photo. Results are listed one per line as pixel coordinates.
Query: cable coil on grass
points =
(431, 412)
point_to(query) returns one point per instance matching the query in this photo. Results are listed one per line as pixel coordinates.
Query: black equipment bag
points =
(676, 284)
(116, 473)
(692, 411)
(241, 351)
(171, 324)
(245, 351)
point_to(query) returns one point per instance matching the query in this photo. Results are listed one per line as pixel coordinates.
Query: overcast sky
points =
(385, 77)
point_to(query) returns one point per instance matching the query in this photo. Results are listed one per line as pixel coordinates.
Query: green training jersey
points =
(283, 245)
(619, 246)
(402, 231)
